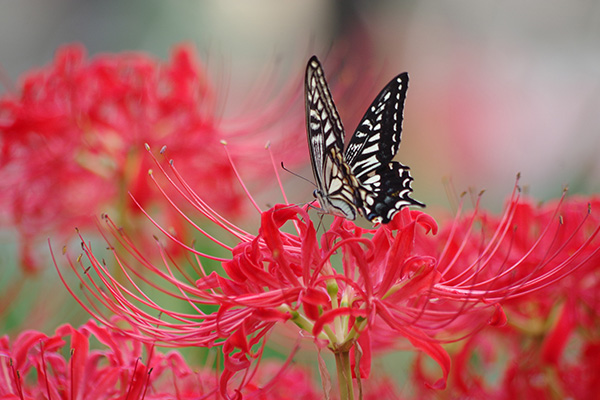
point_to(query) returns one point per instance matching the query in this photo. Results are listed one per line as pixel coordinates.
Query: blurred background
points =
(496, 88)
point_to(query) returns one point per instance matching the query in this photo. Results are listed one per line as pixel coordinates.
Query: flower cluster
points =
(496, 306)
(80, 125)
(353, 290)
(549, 346)
(35, 366)
(65, 365)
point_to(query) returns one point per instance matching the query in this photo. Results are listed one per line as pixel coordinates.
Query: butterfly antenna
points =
(297, 175)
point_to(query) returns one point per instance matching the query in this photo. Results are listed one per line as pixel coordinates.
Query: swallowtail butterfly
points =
(363, 179)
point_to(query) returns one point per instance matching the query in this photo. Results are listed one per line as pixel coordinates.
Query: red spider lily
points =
(35, 367)
(513, 362)
(549, 347)
(352, 291)
(65, 366)
(80, 124)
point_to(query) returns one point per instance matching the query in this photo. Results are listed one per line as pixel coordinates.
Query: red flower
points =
(72, 139)
(512, 362)
(549, 347)
(35, 366)
(353, 291)
(64, 366)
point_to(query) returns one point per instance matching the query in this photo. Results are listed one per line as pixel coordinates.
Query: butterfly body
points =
(340, 198)
(363, 179)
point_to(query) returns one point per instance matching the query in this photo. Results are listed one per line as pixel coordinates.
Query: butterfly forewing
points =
(373, 146)
(323, 124)
(363, 178)
(378, 135)
(326, 144)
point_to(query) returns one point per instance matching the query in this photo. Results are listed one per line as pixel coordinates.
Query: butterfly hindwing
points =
(363, 179)
(387, 192)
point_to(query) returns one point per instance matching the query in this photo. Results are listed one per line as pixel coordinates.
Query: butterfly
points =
(363, 179)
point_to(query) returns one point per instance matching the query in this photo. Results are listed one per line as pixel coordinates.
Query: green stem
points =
(344, 375)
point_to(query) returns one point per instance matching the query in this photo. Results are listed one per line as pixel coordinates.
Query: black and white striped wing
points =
(378, 134)
(385, 185)
(336, 187)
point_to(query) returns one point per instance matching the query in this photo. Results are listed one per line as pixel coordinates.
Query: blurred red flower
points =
(72, 139)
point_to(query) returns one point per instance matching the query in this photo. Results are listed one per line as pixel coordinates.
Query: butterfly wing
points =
(385, 184)
(386, 191)
(378, 135)
(335, 184)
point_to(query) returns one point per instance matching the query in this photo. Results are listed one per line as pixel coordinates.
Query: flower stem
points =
(344, 375)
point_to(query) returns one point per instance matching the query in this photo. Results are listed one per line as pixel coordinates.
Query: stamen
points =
(44, 370)
(235, 171)
(132, 378)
